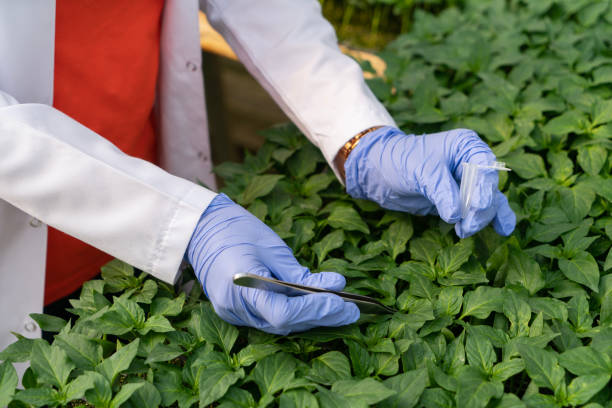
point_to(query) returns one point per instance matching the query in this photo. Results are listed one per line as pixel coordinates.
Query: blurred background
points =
(238, 107)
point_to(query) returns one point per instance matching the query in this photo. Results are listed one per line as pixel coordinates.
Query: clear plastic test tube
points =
(469, 179)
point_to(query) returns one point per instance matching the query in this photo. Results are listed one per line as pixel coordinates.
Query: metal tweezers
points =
(366, 304)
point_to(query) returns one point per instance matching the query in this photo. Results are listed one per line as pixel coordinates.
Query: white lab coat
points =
(54, 171)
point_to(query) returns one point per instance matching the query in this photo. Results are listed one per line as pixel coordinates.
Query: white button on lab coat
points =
(55, 171)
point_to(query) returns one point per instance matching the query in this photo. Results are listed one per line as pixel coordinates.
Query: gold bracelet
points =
(344, 152)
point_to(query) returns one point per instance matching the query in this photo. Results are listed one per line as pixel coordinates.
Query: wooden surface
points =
(211, 41)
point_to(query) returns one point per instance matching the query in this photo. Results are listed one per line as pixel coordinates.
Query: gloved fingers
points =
(485, 187)
(325, 280)
(442, 190)
(283, 265)
(413, 203)
(475, 221)
(280, 261)
(505, 219)
(469, 148)
(283, 314)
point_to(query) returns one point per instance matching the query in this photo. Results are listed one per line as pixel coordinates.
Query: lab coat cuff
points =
(332, 144)
(179, 229)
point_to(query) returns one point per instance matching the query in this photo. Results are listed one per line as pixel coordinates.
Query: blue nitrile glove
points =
(229, 240)
(421, 175)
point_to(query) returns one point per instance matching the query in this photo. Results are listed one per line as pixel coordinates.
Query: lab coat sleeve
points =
(293, 52)
(71, 178)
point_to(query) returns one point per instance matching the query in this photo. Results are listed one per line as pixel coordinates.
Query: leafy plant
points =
(483, 322)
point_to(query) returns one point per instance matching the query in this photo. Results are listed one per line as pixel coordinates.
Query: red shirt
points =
(106, 63)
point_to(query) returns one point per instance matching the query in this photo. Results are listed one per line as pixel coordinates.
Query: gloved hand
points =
(421, 175)
(229, 240)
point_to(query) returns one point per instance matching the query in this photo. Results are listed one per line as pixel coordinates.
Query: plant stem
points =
(375, 24)
(346, 18)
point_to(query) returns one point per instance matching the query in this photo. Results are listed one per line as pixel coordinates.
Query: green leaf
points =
(298, 399)
(259, 186)
(590, 14)
(329, 242)
(551, 308)
(367, 391)
(451, 258)
(526, 165)
(124, 394)
(361, 360)
(542, 366)
(541, 401)
(259, 209)
(38, 397)
(602, 112)
(518, 313)
(164, 306)
(425, 248)
(145, 396)
(454, 357)
(577, 201)
(76, 388)
(582, 269)
(348, 219)
(437, 398)
(274, 372)
(19, 351)
(208, 326)
(605, 291)
(119, 275)
(304, 162)
(303, 230)
(474, 390)
(101, 394)
(480, 353)
(123, 316)
(146, 293)
(169, 383)
(214, 383)
(156, 323)
(583, 388)
(510, 401)
(523, 271)
(51, 364)
(506, 369)
(317, 182)
(586, 361)
(237, 397)
(579, 316)
(592, 158)
(548, 232)
(255, 352)
(163, 352)
(568, 122)
(561, 166)
(81, 350)
(329, 368)
(329, 399)
(118, 362)
(396, 236)
(449, 301)
(8, 382)
(48, 323)
(408, 387)
(602, 75)
(482, 301)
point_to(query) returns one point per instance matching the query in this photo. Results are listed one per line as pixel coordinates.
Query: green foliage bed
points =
(486, 321)
(373, 23)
